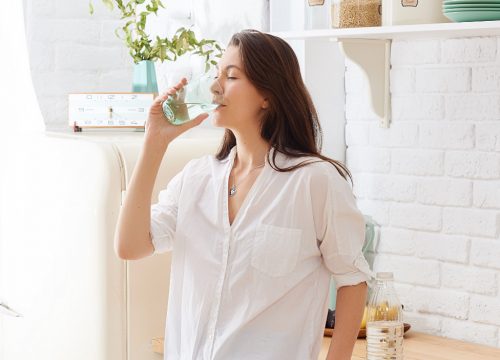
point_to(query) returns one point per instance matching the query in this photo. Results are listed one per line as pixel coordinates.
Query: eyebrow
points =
(228, 67)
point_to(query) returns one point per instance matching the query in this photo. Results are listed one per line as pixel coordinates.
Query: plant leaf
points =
(141, 47)
(109, 4)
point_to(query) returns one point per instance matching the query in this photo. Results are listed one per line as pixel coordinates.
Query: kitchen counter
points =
(417, 346)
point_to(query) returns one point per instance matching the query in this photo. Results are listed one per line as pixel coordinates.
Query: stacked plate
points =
(471, 10)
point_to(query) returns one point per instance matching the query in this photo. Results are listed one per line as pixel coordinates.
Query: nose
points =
(216, 87)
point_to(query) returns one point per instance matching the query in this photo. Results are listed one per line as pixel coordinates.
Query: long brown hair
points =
(290, 123)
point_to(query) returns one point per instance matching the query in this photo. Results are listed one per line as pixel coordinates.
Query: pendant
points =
(232, 191)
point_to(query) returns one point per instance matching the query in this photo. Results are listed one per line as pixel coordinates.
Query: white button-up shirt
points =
(257, 289)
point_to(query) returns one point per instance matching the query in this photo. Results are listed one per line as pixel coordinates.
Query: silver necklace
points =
(232, 191)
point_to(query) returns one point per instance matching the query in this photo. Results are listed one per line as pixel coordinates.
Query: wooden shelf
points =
(417, 346)
(443, 30)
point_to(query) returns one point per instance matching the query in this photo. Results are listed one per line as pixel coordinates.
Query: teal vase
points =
(145, 77)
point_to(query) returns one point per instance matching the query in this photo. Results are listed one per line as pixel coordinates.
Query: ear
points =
(265, 104)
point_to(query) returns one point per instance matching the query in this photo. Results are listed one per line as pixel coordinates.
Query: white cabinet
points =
(79, 301)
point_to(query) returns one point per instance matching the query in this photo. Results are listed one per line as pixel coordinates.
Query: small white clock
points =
(109, 110)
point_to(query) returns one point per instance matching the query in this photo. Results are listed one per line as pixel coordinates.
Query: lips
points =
(219, 105)
(219, 100)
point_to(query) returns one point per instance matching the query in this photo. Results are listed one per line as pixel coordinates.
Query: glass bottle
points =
(384, 325)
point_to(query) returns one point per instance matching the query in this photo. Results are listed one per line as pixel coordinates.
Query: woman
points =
(257, 230)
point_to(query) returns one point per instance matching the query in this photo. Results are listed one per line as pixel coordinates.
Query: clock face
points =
(109, 110)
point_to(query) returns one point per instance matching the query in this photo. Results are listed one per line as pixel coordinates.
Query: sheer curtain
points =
(20, 116)
(20, 112)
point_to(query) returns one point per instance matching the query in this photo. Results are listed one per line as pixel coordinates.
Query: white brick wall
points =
(73, 51)
(432, 181)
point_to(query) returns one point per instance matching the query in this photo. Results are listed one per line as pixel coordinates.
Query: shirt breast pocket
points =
(275, 250)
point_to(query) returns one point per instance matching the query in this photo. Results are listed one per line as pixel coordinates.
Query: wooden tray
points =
(362, 332)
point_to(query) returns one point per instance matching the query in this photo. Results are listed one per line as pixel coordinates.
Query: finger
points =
(161, 98)
(178, 86)
(171, 91)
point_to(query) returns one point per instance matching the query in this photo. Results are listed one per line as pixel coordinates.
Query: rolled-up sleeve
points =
(164, 215)
(340, 229)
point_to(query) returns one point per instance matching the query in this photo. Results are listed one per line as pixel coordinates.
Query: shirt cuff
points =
(361, 274)
(161, 243)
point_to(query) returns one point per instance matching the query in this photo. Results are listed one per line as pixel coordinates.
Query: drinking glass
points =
(202, 94)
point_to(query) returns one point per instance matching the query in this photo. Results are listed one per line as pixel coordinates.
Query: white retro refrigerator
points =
(58, 269)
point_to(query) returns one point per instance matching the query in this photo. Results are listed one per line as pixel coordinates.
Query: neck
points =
(250, 154)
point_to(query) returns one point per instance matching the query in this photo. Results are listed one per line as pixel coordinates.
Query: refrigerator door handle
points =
(5, 310)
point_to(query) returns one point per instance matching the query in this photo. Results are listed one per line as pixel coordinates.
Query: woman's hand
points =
(158, 129)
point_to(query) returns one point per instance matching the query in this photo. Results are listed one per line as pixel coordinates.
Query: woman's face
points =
(242, 105)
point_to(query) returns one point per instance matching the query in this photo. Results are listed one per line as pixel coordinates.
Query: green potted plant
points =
(145, 51)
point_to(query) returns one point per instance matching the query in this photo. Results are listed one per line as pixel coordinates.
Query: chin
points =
(218, 121)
